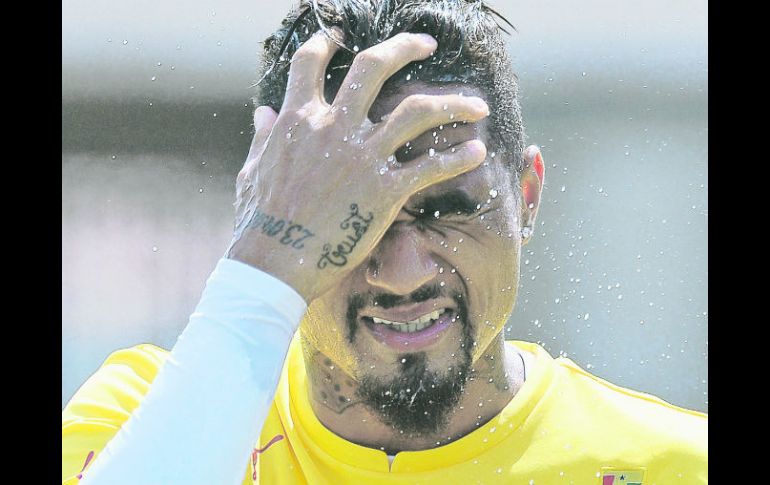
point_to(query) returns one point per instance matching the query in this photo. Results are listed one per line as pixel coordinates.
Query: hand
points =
(320, 186)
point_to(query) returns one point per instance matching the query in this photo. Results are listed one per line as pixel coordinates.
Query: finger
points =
(264, 119)
(428, 170)
(372, 67)
(308, 66)
(419, 113)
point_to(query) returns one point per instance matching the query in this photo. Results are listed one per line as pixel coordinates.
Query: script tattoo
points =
(355, 223)
(293, 234)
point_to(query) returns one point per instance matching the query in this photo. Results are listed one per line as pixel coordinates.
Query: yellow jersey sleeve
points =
(103, 403)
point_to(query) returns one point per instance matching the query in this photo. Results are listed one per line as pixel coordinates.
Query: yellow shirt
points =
(564, 426)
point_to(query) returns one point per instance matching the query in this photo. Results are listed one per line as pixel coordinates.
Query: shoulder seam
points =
(569, 365)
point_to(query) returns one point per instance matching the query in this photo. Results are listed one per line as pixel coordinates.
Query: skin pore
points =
(454, 246)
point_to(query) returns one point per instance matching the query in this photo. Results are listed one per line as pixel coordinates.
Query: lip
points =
(401, 341)
(406, 313)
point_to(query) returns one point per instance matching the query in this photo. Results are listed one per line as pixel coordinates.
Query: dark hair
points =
(470, 50)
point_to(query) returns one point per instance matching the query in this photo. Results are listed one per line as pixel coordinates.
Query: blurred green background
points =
(156, 121)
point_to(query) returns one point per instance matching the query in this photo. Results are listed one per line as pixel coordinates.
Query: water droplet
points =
(409, 76)
(446, 107)
(301, 260)
(354, 86)
(155, 249)
(563, 188)
(441, 270)
(113, 157)
(288, 136)
(583, 74)
(328, 76)
(200, 190)
(383, 170)
(153, 78)
(326, 155)
(125, 42)
(493, 193)
(585, 317)
(437, 214)
(499, 470)
(431, 152)
(451, 117)
(356, 48)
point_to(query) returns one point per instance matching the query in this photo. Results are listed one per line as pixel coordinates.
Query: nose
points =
(400, 264)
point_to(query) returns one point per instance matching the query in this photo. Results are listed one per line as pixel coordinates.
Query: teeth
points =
(412, 325)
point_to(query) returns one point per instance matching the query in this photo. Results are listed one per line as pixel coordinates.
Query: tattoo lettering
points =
(293, 234)
(355, 223)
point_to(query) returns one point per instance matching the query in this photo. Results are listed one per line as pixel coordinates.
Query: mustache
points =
(423, 293)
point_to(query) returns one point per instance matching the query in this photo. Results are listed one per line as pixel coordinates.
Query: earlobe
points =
(532, 178)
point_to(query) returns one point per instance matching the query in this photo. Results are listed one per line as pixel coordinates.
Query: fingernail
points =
(338, 33)
(481, 105)
(259, 117)
(428, 39)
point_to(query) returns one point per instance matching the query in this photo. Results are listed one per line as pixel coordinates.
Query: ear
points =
(532, 178)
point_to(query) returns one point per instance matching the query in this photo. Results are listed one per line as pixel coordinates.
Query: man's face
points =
(449, 264)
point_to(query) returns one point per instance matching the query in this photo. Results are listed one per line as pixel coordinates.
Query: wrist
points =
(290, 268)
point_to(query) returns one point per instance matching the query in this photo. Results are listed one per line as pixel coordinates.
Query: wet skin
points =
(472, 257)
(316, 187)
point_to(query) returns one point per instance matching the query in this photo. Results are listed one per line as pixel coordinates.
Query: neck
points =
(493, 381)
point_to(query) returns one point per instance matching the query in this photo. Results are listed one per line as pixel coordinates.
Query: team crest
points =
(622, 476)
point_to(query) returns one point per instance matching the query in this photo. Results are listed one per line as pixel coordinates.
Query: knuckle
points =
(309, 51)
(403, 38)
(417, 103)
(373, 56)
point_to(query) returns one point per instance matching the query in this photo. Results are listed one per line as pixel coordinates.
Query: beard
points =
(418, 401)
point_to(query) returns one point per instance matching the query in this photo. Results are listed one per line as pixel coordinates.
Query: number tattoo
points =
(270, 226)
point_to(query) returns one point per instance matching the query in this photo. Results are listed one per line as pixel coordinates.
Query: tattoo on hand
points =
(293, 234)
(355, 222)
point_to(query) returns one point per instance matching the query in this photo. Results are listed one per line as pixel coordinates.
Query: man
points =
(387, 187)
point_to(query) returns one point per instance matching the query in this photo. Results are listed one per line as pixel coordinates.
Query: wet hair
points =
(470, 50)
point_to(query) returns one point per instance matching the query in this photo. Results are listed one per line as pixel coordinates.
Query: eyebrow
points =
(451, 201)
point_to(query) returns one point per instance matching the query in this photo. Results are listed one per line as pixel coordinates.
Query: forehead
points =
(445, 137)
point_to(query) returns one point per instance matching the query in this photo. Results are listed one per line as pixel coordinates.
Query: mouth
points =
(410, 328)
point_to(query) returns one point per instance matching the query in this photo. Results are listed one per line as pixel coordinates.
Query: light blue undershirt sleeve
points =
(203, 413)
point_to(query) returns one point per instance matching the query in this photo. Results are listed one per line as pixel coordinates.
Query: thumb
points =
(264, 119)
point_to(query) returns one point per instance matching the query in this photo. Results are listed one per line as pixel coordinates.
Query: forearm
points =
(203, 413)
